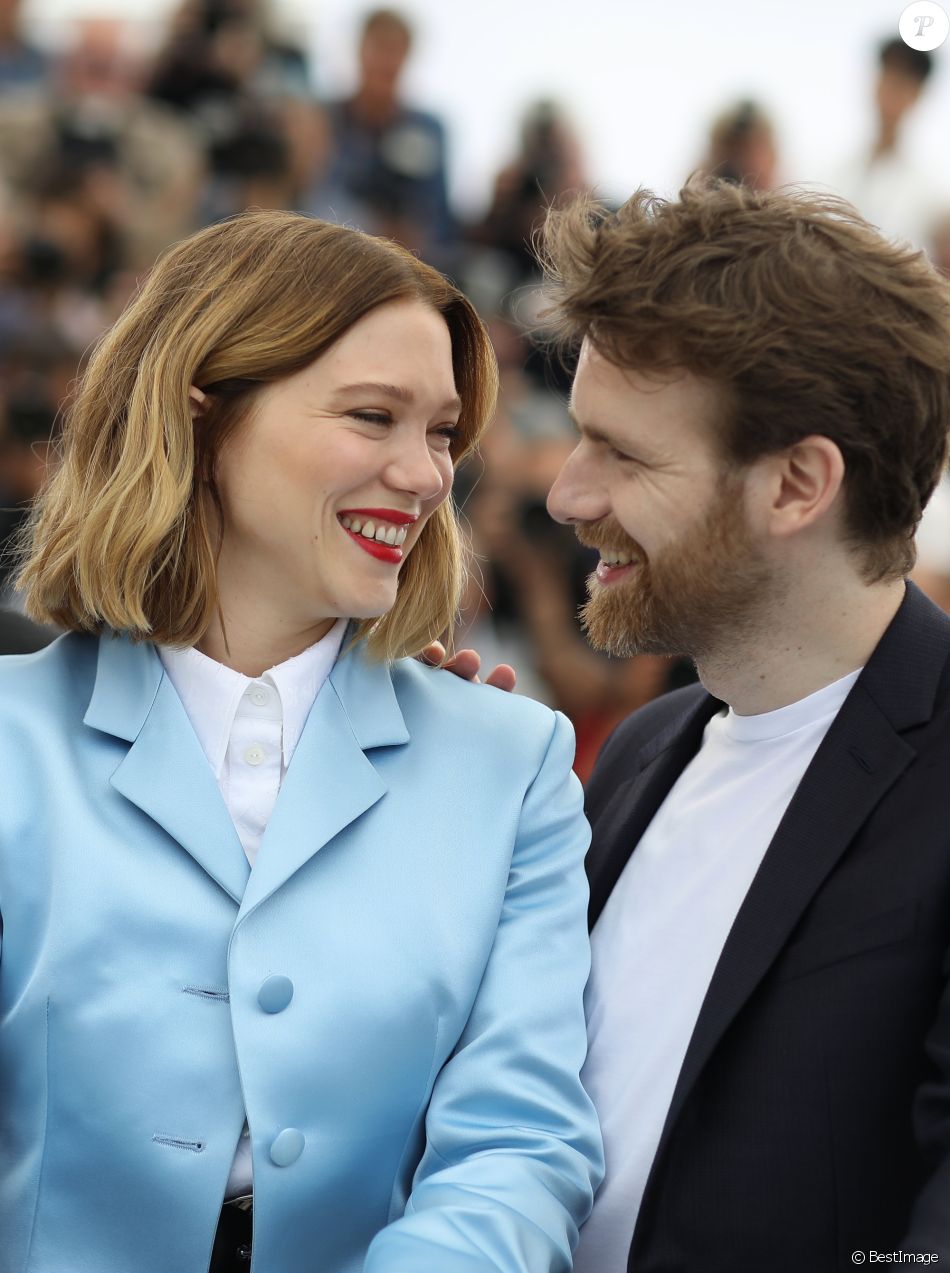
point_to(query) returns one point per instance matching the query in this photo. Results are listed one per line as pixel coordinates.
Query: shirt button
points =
(259, 695)
(254, 755)
(275, 993)
(287, 1147)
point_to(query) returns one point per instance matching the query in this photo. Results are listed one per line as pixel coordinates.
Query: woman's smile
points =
(379, 531)
(356, 444)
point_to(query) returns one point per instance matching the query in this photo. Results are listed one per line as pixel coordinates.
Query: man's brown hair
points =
(799, 310)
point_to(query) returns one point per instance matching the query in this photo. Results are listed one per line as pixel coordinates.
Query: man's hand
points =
(466, 664)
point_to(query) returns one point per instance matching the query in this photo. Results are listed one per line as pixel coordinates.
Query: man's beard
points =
(692, 598)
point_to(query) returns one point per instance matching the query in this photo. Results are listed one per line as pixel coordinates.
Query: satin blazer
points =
(393, 994)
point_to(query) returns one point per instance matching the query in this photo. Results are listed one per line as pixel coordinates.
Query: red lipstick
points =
(382, 552)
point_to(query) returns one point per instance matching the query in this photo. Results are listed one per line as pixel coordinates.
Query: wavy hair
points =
(126, 533)
(808, 320)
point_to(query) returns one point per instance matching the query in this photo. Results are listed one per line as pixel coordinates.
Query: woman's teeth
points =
(383, 534)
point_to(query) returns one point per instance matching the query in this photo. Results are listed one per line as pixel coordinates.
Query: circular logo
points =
(924, 25)
(858, 1257)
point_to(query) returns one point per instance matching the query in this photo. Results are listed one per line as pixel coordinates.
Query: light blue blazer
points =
(394, 994)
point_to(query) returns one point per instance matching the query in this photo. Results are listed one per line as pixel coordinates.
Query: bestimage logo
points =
(895, 1257)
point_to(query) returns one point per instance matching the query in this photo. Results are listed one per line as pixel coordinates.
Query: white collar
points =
(211, 693)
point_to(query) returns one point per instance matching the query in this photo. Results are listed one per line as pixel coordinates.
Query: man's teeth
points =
(616, 559)
(383, 534)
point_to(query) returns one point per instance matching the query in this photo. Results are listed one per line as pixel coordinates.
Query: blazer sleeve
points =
(513, 1150)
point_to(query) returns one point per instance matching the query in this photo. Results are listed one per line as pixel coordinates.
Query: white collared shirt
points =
(248, 729)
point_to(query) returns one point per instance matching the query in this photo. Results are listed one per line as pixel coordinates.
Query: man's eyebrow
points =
(397, 392)
(590, 431)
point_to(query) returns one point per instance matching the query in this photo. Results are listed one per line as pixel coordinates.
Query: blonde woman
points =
(294, 940)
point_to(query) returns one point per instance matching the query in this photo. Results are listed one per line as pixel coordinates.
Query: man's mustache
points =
(609, 534)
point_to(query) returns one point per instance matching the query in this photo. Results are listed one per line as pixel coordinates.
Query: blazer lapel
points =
(636, 799)
(860, 758)
(330, 781)
(165, 773)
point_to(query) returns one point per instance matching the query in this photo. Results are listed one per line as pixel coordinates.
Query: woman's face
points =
(327, 485)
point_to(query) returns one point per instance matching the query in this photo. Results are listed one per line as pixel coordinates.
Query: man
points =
(387, 170)
(763, 401)
(899, 194)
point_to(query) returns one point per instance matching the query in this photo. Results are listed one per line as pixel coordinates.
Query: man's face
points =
(383, 53)
(681, 571)
(897, 92)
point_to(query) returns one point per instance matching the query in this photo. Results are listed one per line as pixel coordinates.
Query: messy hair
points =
(807, 319)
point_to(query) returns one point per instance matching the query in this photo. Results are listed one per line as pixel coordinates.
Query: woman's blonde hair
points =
(127, 532)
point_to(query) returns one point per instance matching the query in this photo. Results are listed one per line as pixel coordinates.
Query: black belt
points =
(232, 1242)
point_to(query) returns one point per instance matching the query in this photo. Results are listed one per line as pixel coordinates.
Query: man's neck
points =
(804, 644)
(374, 110)
(886, 142)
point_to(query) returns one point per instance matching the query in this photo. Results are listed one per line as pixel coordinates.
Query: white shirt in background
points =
(248, 729)
(659, 938)
(895, 193)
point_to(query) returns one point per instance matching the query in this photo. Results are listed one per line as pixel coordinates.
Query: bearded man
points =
(763, 401)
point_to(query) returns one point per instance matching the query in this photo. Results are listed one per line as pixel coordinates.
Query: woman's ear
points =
(197, 401)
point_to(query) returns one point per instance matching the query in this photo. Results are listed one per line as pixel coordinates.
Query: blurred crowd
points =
(109, 153)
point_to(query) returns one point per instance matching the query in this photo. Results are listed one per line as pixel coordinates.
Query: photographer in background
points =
(247, 96)
(548, 164)
(28, 411)
(387, 167)
(894, 192)
(742, 148)
(134, 158)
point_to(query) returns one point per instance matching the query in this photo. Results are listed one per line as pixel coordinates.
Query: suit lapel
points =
(866, 758)
(858, 761)
(633, 804)
(165, 772)
(330, 781)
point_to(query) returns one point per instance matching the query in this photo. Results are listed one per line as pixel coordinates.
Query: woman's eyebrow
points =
(398, 392)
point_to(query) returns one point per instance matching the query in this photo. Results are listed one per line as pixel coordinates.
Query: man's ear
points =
(197, 401)
(805, 481)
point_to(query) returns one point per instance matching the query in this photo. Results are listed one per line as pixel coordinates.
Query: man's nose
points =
(575, 496)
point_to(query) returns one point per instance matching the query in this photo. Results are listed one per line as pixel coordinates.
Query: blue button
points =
(275, 993)
(287, 1147)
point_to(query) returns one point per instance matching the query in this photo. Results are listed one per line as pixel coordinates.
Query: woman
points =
(356, 1006)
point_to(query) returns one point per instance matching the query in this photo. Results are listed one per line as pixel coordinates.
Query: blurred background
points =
(126, 124)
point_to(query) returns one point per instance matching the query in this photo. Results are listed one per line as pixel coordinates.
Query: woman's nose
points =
(414, 468)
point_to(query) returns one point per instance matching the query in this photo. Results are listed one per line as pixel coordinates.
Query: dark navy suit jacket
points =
(811, 1117)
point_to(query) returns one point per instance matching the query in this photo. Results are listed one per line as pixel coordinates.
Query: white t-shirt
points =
(659, 938)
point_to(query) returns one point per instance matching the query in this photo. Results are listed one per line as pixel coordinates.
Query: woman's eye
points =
(451, 432)
(370, 417)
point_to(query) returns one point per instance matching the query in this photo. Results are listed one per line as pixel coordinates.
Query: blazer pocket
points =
(847, 941)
